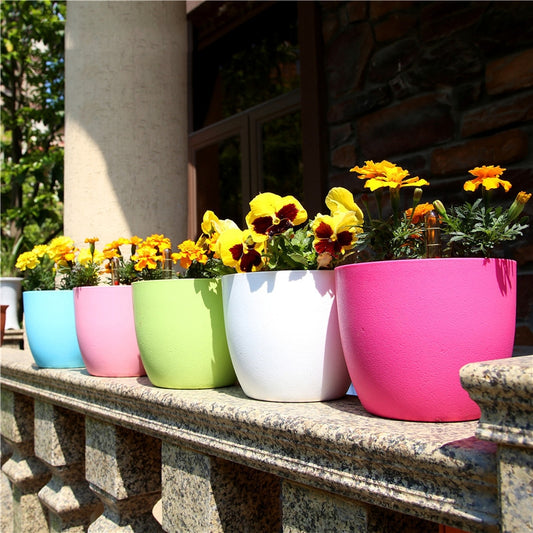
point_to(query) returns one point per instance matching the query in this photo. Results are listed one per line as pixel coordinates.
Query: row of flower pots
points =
(398, 330)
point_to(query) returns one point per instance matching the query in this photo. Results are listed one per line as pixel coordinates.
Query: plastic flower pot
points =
(407, 328)
(180, 332)
(106, 331)
(51, 329)
(10, 290)
(283, 335)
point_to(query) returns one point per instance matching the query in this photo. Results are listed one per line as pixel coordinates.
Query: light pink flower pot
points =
(407, 328)
(106, 331)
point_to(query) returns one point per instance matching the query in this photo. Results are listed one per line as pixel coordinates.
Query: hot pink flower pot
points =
(407, 327)
(106, 331)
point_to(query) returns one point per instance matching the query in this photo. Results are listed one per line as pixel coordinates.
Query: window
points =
(247, 108)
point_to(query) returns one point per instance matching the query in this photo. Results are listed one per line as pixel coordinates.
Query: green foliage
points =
(32, 116)
(475, 230)
(384, 240)
(213, 268)
(40, 278)
(87, 275)
(292, 250)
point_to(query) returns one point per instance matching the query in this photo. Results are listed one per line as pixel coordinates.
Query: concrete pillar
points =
(126, 120)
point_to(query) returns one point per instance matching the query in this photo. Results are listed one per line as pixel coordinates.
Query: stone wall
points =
(438, 88)
(115, 455)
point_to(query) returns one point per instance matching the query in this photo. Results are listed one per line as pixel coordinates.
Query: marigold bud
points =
(439, 206)
(417, 195)
(518, 205)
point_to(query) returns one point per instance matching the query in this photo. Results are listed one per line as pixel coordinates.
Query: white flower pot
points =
(10, 290)
(283, 335)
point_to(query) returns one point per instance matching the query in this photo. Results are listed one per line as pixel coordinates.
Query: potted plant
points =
(104, 310)
(427, 295)
(179, 320)
(279, 307)
(49, 304)
(10, 286)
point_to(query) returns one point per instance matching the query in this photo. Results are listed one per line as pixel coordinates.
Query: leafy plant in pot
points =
(104, 312)
(279, 305)
(50, 272)
(426, 297)
(179, 321)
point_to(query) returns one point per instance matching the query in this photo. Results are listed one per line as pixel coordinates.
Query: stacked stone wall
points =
(438, 88)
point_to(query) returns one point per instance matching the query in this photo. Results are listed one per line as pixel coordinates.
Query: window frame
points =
(309, 99)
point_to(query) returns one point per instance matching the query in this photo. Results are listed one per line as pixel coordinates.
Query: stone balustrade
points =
(101, 454)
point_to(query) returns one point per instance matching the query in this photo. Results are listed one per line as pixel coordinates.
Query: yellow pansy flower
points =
(271, 214)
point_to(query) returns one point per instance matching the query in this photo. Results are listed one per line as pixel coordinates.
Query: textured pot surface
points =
(283, 335)
(407, 327)
(51, 329)
(180, 332)
(106, 331)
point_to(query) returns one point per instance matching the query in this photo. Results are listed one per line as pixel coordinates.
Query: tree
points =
(32, 113)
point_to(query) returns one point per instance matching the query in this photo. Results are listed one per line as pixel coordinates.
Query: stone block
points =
(123, 468)
(203, 493)
(502, 148)
(26, 474)
(344, 156)
(510, 73)
(516, 490)
(396, 26)
(411, 125)
(347, 57)
(60, 444)
(501, 113)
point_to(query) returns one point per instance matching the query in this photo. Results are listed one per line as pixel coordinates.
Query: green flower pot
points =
(180, 331)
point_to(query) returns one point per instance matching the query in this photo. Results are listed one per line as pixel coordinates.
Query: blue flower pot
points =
(51, 328)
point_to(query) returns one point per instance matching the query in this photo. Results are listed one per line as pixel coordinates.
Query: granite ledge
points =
(503, 389)
(439, 472)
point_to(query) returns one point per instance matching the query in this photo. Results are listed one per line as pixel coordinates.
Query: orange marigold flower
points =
(488, 177)
(91, 240)
(189, 252)
(421, 210)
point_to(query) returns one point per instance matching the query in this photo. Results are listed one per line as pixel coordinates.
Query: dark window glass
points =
(253, 63)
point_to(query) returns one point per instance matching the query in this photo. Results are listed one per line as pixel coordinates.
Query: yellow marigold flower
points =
(271, 214)
(27, 260)
(40, 249)
(135, 241)
(109, 253)
(372, 170)
(421, 210)
(488, 177)
(92, 240)
(61, 250)
(146, 257)
(340, 200)
(239, 250)
(189, 252)
(98, 257)
(158, 241)
(386, 174)
(85, 257)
